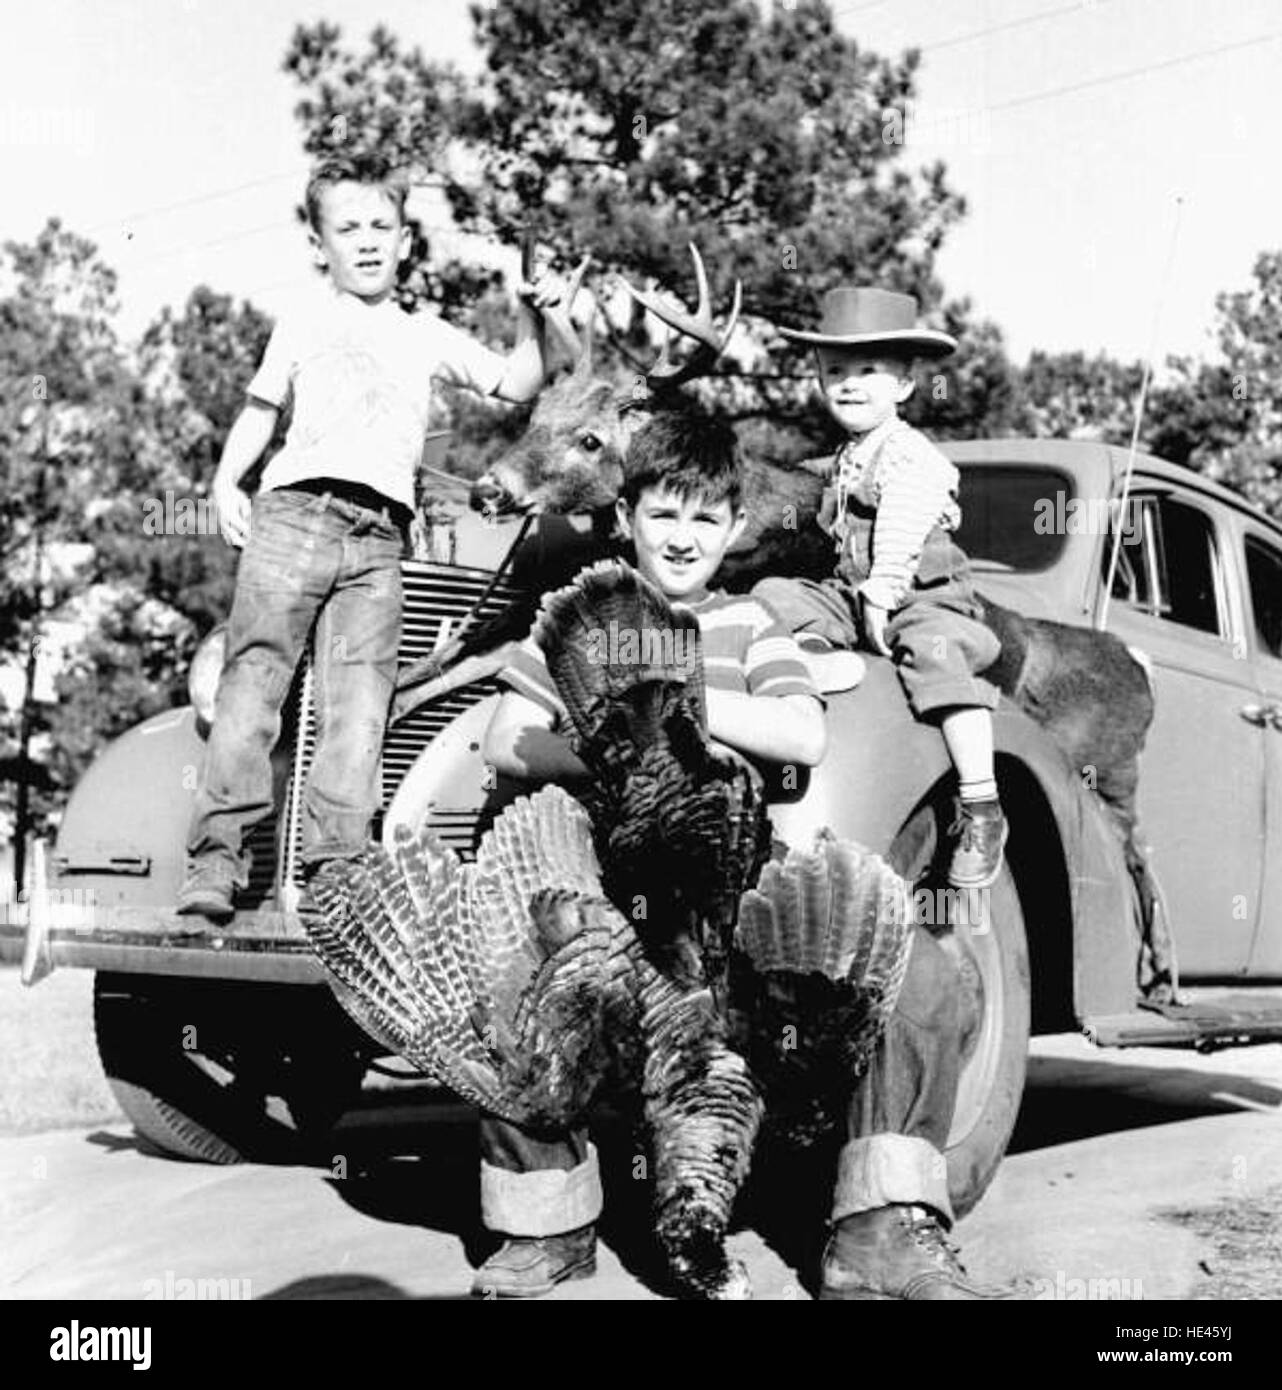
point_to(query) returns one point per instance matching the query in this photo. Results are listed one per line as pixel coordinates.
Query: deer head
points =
(571, 456)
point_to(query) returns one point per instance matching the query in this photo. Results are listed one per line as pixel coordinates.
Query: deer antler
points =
(698, 326)
(557, 318)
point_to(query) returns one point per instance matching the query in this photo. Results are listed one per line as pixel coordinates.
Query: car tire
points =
(985, 936)
(221, 1072)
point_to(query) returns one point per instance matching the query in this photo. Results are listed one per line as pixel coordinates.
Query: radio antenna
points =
(1141, 401)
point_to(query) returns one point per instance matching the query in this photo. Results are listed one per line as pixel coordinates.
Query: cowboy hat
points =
(869, 318)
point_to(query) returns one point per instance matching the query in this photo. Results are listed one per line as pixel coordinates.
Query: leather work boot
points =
(896, 1252)
(980, 831)
(206, 892)
(530, 1266)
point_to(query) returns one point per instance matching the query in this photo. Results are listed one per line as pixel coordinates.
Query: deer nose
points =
(490, 496)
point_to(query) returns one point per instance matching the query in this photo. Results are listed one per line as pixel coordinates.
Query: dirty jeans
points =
(537, 1184)
(897, 1124)
(317, 567)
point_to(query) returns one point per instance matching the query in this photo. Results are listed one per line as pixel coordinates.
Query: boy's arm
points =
(249, 436)
(780, 717)
(527, 364)
(917, 485)
(775, 728)
(523, 373)
(519, 376)
(520, 742)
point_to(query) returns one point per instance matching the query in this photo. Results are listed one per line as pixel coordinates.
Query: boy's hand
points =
(234, 505)
(874, 623)
(545, 291)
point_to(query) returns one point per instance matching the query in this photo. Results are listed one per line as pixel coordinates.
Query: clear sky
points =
(163, 128)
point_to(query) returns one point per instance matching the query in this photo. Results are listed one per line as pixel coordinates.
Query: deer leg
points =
(429, 667)
(1157, 973)
(465, 672)
(480, 639)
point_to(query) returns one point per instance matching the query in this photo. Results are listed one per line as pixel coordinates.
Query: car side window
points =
(1167, 563)
(1264, 578)
(1133, 577)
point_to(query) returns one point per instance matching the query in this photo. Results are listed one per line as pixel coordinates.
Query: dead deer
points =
(1082, 686)
(570, 460)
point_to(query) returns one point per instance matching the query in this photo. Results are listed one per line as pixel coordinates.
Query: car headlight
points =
(206, 670)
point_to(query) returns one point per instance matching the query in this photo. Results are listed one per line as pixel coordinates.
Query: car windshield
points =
(1012, 516)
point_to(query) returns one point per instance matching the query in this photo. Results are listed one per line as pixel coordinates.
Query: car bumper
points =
(262, 945)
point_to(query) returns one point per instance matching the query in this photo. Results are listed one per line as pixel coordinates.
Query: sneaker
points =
(897, 1252)
(980, 832)
(813, 642)
(206, 892)
(530, 1266)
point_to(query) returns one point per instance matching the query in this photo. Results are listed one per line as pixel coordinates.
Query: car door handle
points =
(1260, 715)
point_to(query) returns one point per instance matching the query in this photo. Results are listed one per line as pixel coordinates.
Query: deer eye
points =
(590, 443)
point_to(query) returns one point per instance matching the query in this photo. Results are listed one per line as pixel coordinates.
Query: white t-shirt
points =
(361, 378)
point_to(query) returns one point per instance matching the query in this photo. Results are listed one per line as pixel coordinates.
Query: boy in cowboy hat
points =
(902, 586)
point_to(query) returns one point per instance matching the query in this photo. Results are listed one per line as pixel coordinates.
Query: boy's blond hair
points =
(369, 169)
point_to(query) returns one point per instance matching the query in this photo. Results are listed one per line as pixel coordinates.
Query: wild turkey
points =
(681, 826)
(517, 981)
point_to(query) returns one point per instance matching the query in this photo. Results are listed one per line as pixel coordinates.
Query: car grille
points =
(437, 599)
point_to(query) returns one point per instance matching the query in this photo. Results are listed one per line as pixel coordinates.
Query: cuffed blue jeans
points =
(897, 1124)
(316, 567)
(537, 1184)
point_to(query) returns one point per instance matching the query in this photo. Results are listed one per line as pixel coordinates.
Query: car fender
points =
(124, 829)
(882, 763)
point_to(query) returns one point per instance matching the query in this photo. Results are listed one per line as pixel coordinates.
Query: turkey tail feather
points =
(822, 947)
(624, 661)
(488, 976)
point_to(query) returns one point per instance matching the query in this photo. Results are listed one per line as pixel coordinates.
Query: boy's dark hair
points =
(371, 169)
(687, 451)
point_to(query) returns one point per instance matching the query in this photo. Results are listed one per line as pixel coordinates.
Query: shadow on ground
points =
(414, 1161)
(1070, 1098)
(410, 1157)
(349, 1287)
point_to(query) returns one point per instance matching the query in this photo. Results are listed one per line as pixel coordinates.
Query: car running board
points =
(1205, 1019)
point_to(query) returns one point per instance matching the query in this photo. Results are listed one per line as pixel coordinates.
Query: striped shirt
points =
(745, 649)
(898, 472)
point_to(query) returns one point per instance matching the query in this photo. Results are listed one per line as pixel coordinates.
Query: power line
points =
(146, 213)
(1029, 98)
(1014, 102)
(859, 9)
(1021, 23)
(169, 253)
(973, 34)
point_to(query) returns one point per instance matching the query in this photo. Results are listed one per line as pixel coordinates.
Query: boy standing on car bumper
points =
(324, 536)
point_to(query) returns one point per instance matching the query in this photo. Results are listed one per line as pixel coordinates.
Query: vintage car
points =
(225, 1043)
